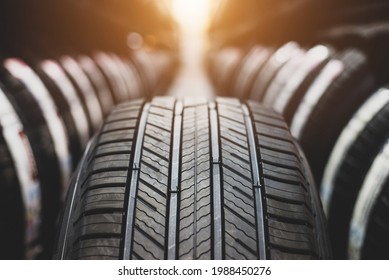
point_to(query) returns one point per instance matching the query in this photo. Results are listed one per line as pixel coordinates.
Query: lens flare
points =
(192, 15)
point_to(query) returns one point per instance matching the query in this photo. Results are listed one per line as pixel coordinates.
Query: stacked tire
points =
(50, 106)
(354, 183)
(332, 100)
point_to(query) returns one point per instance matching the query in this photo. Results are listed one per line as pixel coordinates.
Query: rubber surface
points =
(45, 152)
(192, 179)
(350, 160)
(336, 94)
(269, 71)
(369, 223)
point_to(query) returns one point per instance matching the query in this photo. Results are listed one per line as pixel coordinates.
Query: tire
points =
(20, 192)
(270, 70)
(286, 100)
(128, 77)
(368, 237)
(110, 72)
(282, 77)
(336, 94)
(222, 67)
(134, 78)
(78, 79)
(145, 62)
(192, 180)
(66, 99)
(139, 75)
(251, 66)
(166, 64)
(46, 134)
(85, 90)
(350, 160)
(69, 105)
(99, 83)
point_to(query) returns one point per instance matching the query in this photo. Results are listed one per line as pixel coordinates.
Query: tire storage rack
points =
(54, 96)
(332, 92)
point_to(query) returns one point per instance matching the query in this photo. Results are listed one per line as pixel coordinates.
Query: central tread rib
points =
(195, 232)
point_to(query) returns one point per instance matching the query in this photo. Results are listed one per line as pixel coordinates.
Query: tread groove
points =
(133, 183)
(216, 172)
(174, 182)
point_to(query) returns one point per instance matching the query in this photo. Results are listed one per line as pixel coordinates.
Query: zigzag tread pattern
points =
(239, 210)
(96, 220)
(288, 200)
(195, 203)
(152, 191)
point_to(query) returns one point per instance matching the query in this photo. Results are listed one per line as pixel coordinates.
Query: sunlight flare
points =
(192, 15)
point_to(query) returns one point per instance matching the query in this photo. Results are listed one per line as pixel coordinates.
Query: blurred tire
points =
(270, 70)
(69, 106)
(128, 77)
(110, 71)
(99, 83)
(370, 221)
(20, 192)
(289, 97)
(85, 90)
(251, 66)
(47, 136)
(336, 94)
(282, 77)
(224, 63)
(358, 145)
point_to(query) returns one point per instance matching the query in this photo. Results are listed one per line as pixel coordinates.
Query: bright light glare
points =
(192, 15)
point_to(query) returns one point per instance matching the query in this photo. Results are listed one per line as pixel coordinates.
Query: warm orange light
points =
(192, 15)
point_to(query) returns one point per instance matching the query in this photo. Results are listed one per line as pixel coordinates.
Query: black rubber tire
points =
(48, 163)
(193, 180)
(228, 71)
(328, 106)
(298, 94)
(282, 77)
(350, 160)
(109, 70)
(86, 95)
(109, 76)
(128, 75)
(99, 83)
(288, 97)
(370, 221)
(252, 64)
(270, 70)
(12, 236)
(66, 100)
(139, 74)
(78, 134)
(12, 240)
(145, 61)
(223, 65)
(85, 91)
(119, 72)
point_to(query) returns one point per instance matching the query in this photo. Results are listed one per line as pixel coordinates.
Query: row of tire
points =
(339, 113)
(49, 108)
